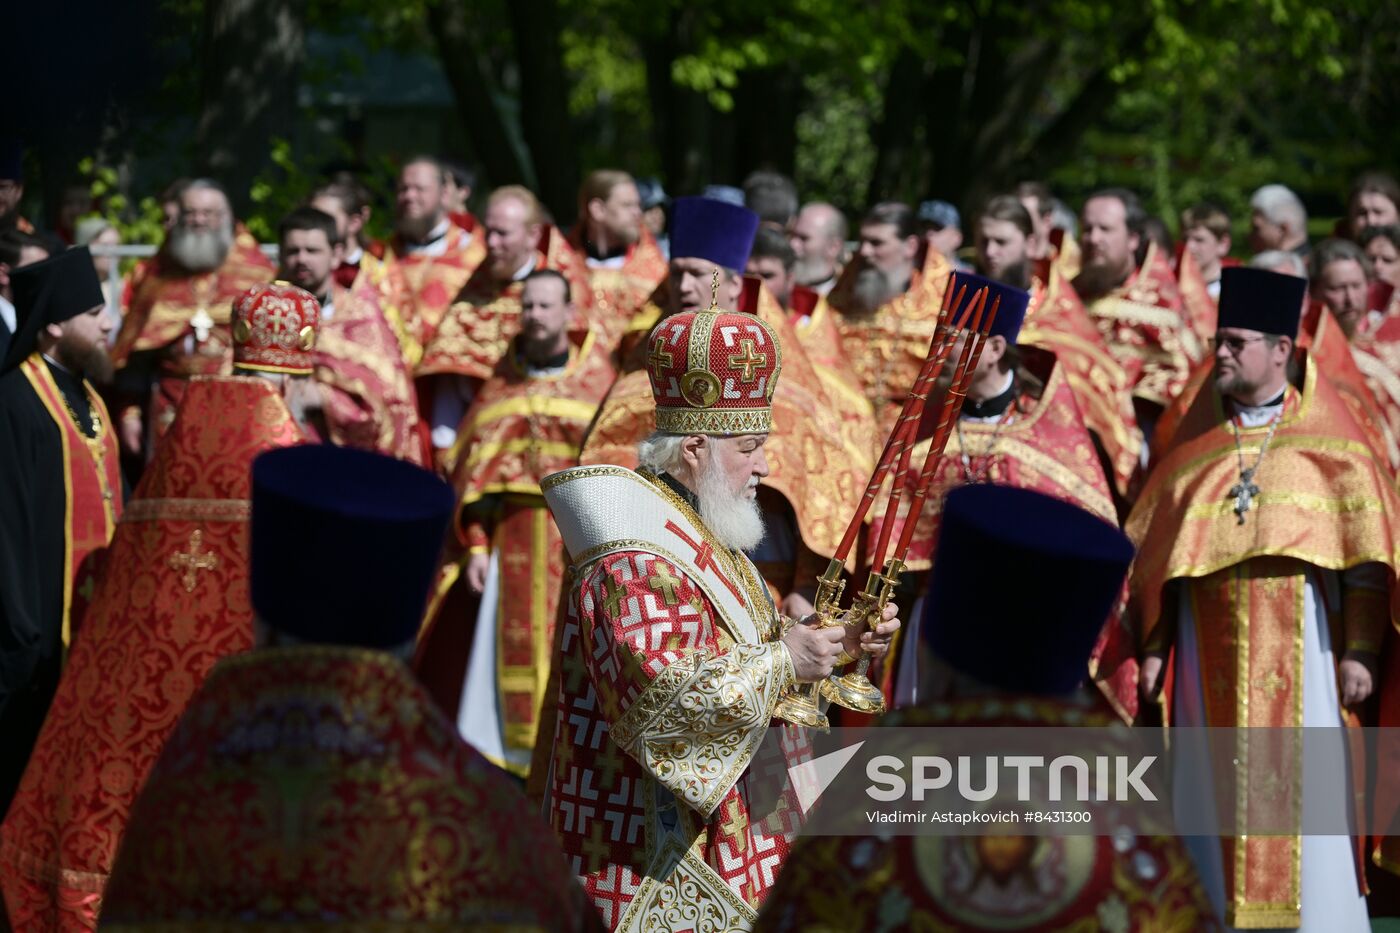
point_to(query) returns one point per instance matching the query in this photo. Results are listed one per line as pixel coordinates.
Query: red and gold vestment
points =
(886, 349)
(1057, 321)
(434, 277)
(477, 329)
(386, 278)
(1324, 500)
(171, 601)
(1040, 442)
(1376, 350)
(183, 320)
(814, 324)
(1046, 883)
(620, 291)
(1144, 326)
(315, 784)
(671, 667)
(92, 478)
(521, 427)
(370, 401)
(1200, 308)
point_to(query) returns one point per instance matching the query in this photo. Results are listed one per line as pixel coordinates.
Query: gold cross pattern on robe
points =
(612, 602)
(664, 584)
(609, 763)
(1270, 684)
(595, 847)
(190, 562)
(736, 826)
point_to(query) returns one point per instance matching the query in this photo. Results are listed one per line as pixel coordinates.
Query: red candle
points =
(892, 509)
(910, 414)
(952, 408)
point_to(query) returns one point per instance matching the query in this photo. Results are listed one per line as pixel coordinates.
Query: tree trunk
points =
(544, 105)
(252, 55)
(766, 104)
(1060, 137)
(488, 129)
(895, 158)
(680, 117)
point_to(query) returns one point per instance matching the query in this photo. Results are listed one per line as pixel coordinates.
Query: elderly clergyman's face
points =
(729, 471)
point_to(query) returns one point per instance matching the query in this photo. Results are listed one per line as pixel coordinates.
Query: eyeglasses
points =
(1235, 345)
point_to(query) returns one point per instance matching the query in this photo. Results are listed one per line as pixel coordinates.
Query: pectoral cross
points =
(1244, 492)
(202, 324)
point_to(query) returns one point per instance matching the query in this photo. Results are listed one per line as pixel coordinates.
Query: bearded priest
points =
(177, 308)
(1266, 556)
(673, 653)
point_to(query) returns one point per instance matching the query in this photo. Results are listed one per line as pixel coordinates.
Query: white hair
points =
(1280, 260)
(660, 452)
(1281, 206)
(734, 519)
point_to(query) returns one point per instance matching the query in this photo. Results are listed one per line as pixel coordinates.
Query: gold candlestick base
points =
(799, 707)
(854, 691)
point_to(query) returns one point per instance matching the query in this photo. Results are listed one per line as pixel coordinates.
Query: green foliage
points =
(277, 189)
(139, 222)
(834, 152)
(1223, 95)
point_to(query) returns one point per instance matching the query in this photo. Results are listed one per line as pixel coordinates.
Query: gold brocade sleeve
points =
(681, 698)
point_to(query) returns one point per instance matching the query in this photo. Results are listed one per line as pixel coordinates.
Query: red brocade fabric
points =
(172, 600)
(313, 786)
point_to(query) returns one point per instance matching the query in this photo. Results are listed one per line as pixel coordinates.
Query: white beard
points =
(200, 250)
(734, 519)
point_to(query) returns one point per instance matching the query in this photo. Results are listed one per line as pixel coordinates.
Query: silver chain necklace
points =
(981, 475)
(1245, 490)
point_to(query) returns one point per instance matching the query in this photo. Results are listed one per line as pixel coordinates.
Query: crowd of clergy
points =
(455, 579)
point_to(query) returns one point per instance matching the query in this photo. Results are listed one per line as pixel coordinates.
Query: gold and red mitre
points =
(713, 372)
(274, 329)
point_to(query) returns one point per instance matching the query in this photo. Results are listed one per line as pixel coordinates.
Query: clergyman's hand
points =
(796, 606)
(1149, 675)
(813, 649)
(876, 643)
(131, 434)
(1357, 674)
(477, 565)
